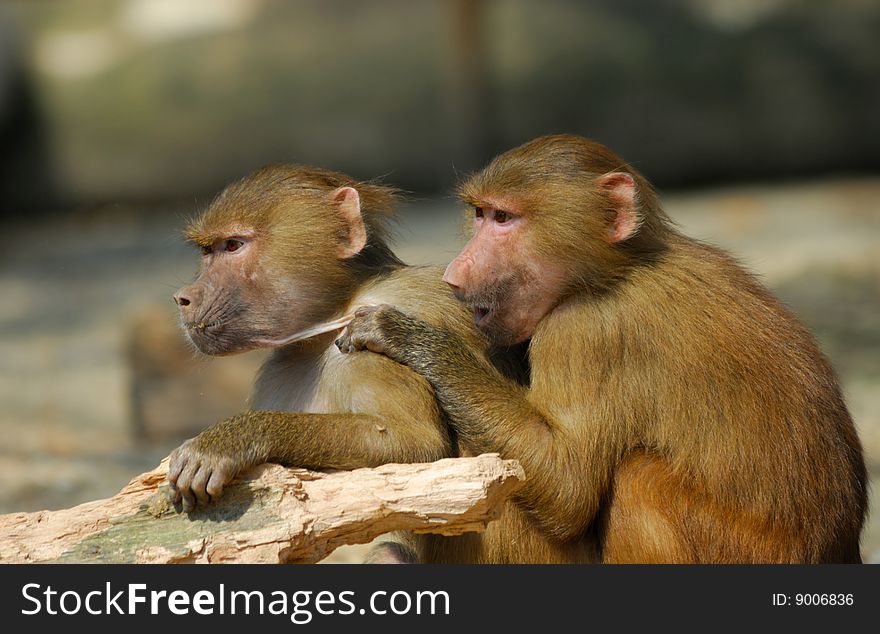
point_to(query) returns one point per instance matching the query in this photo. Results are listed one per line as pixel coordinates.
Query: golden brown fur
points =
(288, 208)
(312, 406)
(677, 412)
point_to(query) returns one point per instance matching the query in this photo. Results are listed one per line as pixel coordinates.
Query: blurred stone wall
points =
(160, 99)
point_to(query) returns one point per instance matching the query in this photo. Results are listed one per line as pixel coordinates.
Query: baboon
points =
(677, 412)
(286, 252)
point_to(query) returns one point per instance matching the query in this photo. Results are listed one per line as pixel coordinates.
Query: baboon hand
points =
(198, 476)
(381, 329)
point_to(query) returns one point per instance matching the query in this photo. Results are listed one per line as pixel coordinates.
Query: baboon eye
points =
(207, 249)
(478, 212)
(501, 217)
(232, 245)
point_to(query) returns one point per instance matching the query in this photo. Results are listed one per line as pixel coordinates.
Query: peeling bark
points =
(271, 515)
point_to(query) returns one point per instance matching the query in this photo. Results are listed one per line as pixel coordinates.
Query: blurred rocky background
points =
(759, 120)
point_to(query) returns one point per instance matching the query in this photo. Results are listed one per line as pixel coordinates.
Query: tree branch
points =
(271, 515)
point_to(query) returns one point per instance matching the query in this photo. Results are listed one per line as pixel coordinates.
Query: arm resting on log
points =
(271, 515)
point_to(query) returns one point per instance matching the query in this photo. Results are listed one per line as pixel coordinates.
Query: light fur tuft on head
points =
(554, 181)
(288, 192)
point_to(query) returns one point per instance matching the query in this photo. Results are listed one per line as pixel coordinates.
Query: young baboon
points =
(286, 252)
(677, 412)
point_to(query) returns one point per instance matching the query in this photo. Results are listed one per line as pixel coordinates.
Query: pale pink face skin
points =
(242, 300)
(507, 287)
(233, 306)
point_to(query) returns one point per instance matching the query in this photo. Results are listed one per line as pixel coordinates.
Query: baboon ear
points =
(353, 237)
(621, 190)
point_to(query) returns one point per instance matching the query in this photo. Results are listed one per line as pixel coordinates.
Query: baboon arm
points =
(201, 467)
(568, 468)
(327, 441)
(568, 462)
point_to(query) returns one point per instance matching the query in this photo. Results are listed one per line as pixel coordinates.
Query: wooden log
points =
(271, 515)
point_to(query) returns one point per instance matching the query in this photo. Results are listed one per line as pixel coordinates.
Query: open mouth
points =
(202, 326)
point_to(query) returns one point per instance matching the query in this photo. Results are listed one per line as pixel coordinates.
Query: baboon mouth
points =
(480, 314)
(202, 326)
(210, 339)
